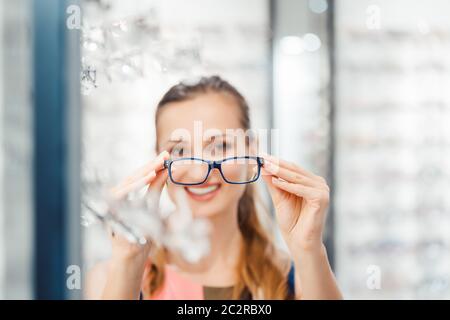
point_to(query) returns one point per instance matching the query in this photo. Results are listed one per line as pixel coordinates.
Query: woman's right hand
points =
(127, 266)
(154, 176)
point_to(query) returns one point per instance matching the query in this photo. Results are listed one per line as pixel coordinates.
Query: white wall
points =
(2, 243)
(301, 80)
(393, 111)
(17, 230)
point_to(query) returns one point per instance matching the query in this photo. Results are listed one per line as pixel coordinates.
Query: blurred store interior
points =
(358, 90)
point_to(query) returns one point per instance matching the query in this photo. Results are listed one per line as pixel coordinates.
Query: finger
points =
(154, 165)
(287, 165)
(123, 191)
(143, 175)
(292, 176)
(300, 190)
(267, 177)
(157, 163)
(157, 184)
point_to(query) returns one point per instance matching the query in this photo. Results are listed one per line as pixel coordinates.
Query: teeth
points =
(202, 191)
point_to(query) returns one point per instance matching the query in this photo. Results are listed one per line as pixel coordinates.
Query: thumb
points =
(156, 186)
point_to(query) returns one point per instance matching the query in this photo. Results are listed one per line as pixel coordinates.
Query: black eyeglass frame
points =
(215, 164)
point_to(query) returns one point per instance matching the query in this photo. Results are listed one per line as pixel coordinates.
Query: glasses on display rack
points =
(195, 171)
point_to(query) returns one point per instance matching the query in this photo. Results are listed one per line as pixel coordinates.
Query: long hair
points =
(259, 275)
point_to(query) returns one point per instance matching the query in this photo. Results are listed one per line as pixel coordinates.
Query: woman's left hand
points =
(300, 200)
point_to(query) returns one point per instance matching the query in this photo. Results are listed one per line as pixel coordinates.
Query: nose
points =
(214, 176)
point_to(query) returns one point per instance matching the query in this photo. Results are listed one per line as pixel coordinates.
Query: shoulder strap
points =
(291, 280)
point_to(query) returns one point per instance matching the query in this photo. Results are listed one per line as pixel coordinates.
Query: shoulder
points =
(95, 280)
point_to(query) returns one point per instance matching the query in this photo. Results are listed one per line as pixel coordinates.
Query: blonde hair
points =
(259, 274)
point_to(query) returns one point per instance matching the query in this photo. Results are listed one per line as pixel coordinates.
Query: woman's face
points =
(200, 127)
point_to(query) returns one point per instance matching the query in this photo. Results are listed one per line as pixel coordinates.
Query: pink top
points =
(179, 287)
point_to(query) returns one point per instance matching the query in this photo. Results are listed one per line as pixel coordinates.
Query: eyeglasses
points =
(234, 170)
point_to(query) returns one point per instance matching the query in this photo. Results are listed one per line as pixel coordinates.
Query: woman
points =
(243, 262)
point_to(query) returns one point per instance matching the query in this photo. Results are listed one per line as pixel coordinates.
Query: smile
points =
(203, 192)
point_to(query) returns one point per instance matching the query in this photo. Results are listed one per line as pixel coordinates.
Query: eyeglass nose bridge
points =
(215, 165)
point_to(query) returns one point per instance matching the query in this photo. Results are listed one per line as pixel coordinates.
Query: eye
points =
(223, 145)
(178, 151)
(219, 148)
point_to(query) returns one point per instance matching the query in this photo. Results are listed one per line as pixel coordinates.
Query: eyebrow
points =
(174, 141)
(223, 135)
